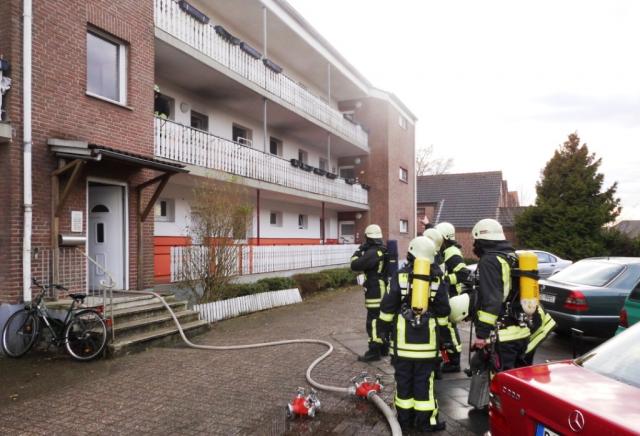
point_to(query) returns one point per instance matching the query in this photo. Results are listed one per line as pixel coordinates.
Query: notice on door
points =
(76, 221)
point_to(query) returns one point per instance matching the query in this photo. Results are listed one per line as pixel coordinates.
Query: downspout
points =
(26, 107)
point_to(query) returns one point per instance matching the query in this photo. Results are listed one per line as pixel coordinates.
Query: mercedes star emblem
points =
(576, 421)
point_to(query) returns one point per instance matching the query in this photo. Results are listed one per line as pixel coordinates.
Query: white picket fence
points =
(256, 259)
(233, 307)
(203, 37)
(191, 146)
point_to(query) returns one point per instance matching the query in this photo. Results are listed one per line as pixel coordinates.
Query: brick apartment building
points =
(247, 89)
(464, 199)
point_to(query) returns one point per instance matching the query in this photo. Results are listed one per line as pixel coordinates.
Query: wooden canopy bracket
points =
(75, 165)
(162, 182)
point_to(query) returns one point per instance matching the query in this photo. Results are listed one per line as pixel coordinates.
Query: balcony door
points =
(347, 232)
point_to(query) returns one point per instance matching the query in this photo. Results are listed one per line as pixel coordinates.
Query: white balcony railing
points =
(257, 259)
(203, 37)
(195, 147)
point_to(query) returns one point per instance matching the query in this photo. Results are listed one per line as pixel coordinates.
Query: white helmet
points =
(435, 236)
(422, 247)
(489, 230)
(447, 230)
(373, 231)
(459, 307)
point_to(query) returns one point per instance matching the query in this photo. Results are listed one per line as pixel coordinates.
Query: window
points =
(100, 233)
(199, 121)
(303, 221)
(106, 67)
(402, 122)
(164, 106)
(303, 156)
(242, 135)
(635, 294)
(347, 172)
(165, 210)
(404, 226)
(404, 175)
(589, 272)
(275, 219)
(323, 164)
(275, 146)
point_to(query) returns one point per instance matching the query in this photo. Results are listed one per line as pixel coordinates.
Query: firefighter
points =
(455, 273)
(371, 259)
(542, 324)
(498, 310)
(409, 326)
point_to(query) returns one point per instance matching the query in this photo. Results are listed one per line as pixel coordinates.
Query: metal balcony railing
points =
(203, 37)
(191, 146)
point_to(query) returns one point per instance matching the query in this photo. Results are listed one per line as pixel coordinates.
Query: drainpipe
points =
(26, 107)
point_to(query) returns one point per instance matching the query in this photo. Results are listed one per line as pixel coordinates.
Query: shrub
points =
(311, 282)
(241, 289)
(340, 277)
(278, 283)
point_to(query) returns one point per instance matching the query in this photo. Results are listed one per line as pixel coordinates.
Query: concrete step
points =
(146, 311)
(140, 301)
(140, 341)
(127, 329)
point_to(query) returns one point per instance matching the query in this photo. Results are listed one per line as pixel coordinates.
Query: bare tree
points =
(428, 164)
(220, 217)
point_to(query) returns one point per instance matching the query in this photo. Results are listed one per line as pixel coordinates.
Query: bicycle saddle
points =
(78, 297)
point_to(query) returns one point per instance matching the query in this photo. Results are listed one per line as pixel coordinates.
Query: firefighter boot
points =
(453, 365)
(374, 353)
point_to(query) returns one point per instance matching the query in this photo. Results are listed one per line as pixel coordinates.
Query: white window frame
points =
(303, 156)
(405, 172)
(170, 217)
(279, 219)
(305, 221)
(405, 224)
(402, 122)
(122, 67)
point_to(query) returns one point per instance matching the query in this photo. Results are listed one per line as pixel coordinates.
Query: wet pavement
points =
(177, 390)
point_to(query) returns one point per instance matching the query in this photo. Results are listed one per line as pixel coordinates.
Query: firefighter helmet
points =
(422, 247)
(459, 307)
(435, 236)
(373, 231)
(447, 230)
(489, 230)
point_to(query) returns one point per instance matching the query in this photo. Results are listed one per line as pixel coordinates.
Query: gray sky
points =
(498, 85)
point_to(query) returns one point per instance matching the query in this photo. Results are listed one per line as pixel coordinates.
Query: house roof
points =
(507, 215)
(462, 199)
(629, 227)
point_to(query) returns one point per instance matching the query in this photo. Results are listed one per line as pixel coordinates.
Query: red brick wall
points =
(61, 109)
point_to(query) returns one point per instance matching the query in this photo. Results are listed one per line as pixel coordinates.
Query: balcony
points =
(194, 147)
(204, 39)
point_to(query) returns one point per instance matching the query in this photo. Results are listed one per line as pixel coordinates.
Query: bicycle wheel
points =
(86, 335)
(20, 333)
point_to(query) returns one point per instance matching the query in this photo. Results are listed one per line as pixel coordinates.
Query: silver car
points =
(548, 263)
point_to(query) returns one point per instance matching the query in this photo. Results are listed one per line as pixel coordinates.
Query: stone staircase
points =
(142, 321)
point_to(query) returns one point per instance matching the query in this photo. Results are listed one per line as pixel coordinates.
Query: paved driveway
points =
(177, 390)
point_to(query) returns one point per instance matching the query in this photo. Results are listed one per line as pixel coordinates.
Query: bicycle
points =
(83, 331)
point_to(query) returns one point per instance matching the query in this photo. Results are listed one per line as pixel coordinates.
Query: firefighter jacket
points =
(371, 258)
(455, 269)
(541, 326)
(408, 340)
(494, 292)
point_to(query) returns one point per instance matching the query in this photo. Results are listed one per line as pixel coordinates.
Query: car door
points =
(544, 264)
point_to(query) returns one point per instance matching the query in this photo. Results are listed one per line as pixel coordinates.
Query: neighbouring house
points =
(466, 198)
(630, 228)
(135, 102)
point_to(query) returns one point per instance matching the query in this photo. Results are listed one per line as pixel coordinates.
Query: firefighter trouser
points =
(415, 392)
(375, 342)
(450, 339)
(512, 353)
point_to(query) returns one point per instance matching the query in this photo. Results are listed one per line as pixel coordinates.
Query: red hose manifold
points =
(365, 385)
(303, 406)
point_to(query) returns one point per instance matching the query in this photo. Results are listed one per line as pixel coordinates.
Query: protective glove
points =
(384, 331)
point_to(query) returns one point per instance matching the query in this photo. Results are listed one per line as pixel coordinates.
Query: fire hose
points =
(371, 395)
(364, 389)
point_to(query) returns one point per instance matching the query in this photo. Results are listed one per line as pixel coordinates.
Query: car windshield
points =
(589, 272)
(618, 358)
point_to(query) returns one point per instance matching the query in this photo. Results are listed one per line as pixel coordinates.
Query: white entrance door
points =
(106, 234)
(347, 232)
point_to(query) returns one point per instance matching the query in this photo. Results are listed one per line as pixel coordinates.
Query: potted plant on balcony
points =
(295, 162)
(331, 176)
(350, 181)
(319, 171)
(365, 186)
(305, 167)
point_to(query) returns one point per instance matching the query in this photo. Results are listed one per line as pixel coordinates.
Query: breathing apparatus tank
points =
(421, 288)
(529, 288)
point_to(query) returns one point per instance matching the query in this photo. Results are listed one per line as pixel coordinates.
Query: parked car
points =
(548, 263)
(630, 313)
(596, 394)
(589, 294)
